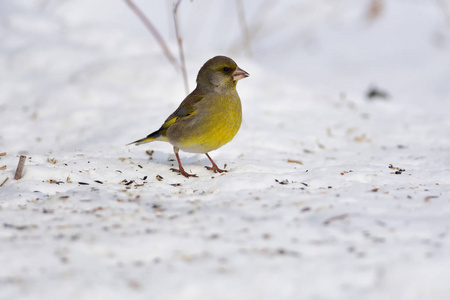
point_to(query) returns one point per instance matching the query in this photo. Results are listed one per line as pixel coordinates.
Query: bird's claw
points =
(215, 169)
(183, 172)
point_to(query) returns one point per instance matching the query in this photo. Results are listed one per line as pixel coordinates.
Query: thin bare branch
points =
(445, 8)
(244, 27)
(154, 32)
(375, 9)
(180, 46)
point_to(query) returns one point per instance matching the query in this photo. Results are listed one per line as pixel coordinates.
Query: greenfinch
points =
(209, 117)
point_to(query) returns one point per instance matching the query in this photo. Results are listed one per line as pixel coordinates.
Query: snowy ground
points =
(309, 209)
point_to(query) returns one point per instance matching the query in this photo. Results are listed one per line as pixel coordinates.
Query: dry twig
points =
(154, 32)
(180, 46)
(243, 23)
(376, 7)
(445, 8)
(4, 181)
(19, 169)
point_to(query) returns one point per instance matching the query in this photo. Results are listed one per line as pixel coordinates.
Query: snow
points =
(310, 207)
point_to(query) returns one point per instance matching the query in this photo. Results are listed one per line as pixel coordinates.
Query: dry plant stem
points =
(375, 10)
(19, 169)
(445, 8)
(154, 32)
(4, 181)
(243, 23)
(180, 46)
(263, 13)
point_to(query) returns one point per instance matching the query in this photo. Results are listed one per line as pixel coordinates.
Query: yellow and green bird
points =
(209, 117)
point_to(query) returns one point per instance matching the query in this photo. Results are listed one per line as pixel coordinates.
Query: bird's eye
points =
(226, 69)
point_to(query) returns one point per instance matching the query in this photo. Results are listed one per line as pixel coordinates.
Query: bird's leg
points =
(180, 167)
(214, 167)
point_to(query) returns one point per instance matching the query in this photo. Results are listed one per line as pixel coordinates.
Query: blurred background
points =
(65, 59)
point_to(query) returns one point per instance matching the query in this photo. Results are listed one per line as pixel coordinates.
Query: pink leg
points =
(180, 167)
(214, 167)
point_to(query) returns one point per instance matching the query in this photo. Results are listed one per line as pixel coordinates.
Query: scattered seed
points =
(3, 168)
(428, 199)
(52, 160)
(266, 236)
(293, 161)
(82, 183)
(282, 182)
(3, 154)
(157, 207)
(98, 181)
(150, 153)
(375, 93)
(122, 159)
(397, 170)
(140, 166)
(346, 172)
(175, 184)
(19, 227)
(54, 181)
(360, 138)
(159, 177)
(335, 218)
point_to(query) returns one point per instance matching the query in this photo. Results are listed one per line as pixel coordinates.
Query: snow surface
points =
(309, 208)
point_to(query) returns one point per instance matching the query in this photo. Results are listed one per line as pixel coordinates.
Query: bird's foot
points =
(216, 169)
(183, 172)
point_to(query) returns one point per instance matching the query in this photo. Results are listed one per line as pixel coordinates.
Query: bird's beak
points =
(239, 74)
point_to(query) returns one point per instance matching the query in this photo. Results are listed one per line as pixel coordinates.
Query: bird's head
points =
(220, 74)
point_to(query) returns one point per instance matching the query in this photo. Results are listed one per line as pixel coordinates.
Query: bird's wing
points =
(184, 111)
(187, 109)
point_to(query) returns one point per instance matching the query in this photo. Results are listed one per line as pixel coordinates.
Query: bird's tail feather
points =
(155, 136)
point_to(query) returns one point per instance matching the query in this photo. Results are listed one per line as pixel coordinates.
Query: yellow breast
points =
(214, 123)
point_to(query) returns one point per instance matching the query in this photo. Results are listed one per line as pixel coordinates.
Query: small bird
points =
(209, 117)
